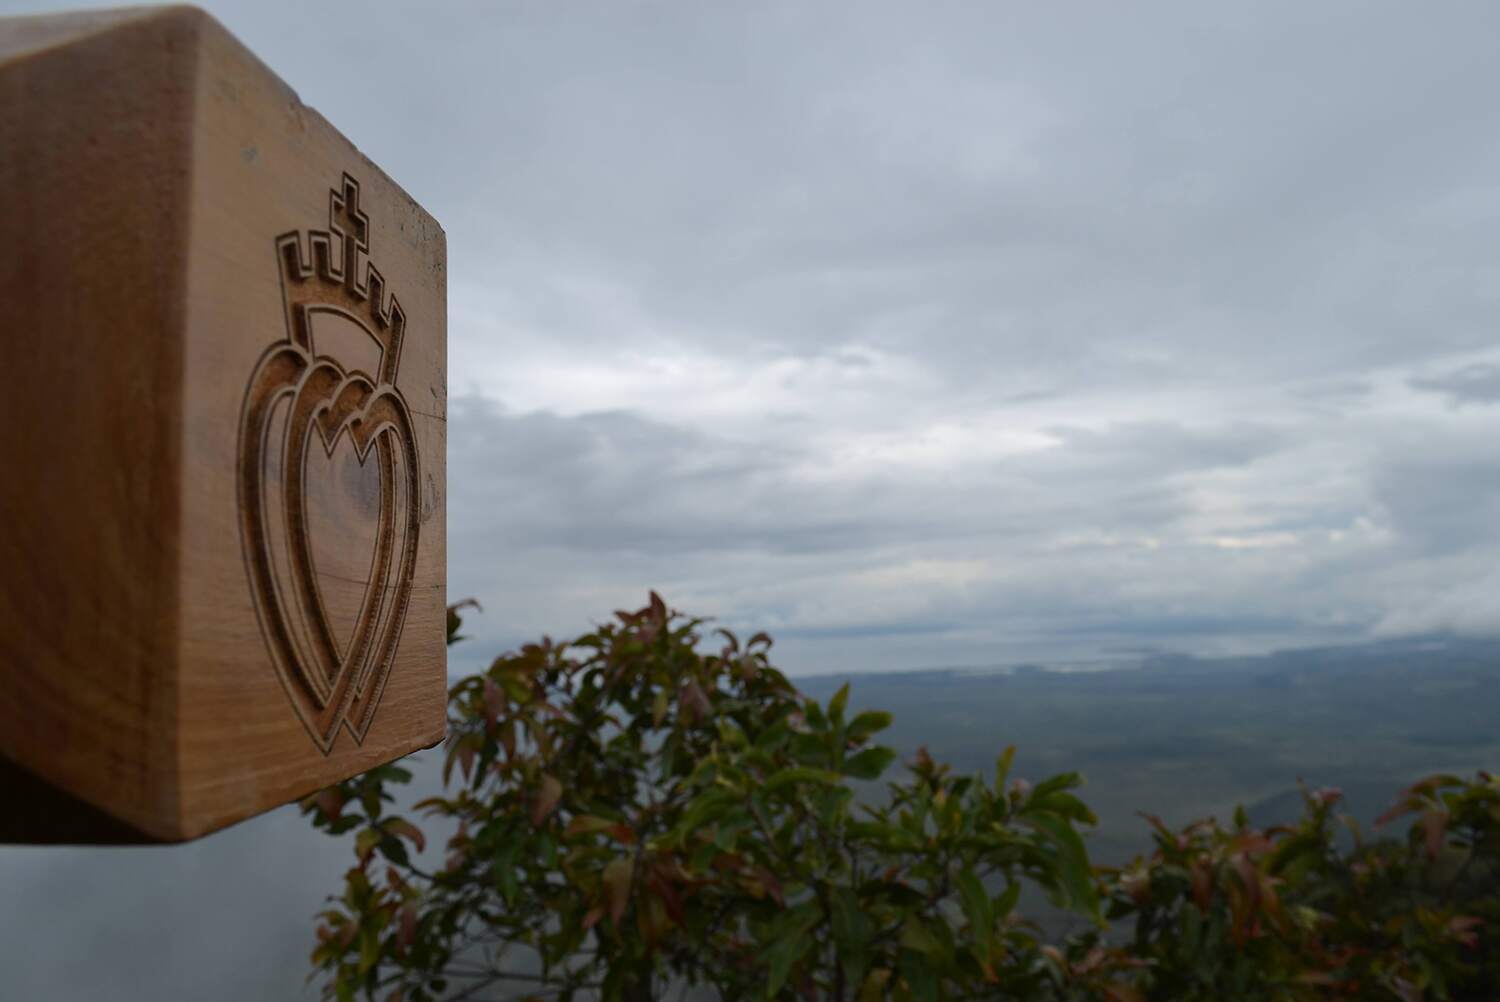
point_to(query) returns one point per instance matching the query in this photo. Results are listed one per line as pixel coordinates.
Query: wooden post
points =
(222, 438)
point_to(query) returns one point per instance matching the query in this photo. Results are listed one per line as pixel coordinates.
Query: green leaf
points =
(1064, 781)
(1002, 766)
(870, 763)
(366, 841)
(392, 849)
(919, 975)
(867, 723)
(780, 957)
(852, 931)
(788, 942)
(885, 835)
(504, 871)
(837, 703)
(977, 909)
(516, 687)
(788, 777)
(369, 949)
(391, 773)
(1075, 876)
(916, 936)
(705, 809)
(1066, 805)
(1006, 902)
(729, 829)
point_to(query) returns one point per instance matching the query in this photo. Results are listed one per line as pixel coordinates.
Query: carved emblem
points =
(301, 399)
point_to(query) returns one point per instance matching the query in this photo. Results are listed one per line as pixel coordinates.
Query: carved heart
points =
(315, 402)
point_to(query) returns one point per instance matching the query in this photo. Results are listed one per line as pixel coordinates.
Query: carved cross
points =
(349, 221)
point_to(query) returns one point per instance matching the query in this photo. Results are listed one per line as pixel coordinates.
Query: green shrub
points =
(630, 815)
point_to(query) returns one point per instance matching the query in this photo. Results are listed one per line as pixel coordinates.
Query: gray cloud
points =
(1471, 384)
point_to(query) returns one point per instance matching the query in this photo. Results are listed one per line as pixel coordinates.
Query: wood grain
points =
(224, 575)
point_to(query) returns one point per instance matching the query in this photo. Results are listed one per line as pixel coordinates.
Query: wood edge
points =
(210, 23)
(188, 830)
(92, 23)
(38, 813)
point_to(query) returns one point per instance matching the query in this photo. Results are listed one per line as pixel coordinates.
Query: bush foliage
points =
(628, 816)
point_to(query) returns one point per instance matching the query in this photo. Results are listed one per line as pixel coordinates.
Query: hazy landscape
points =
(1185, 737)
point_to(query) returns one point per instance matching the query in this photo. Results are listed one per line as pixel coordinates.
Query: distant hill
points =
(1186, 737)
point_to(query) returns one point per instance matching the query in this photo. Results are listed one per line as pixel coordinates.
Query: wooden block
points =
(223, 431)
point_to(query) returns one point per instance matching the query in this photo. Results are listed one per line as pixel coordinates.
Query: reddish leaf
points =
(547, 796)
(1328, 795)
(1250, 879)
(494, 702)
(1434, 826)
(771, 884)
(670, 899)
(1252, 843)
(406, 932)
(587, 824)
(1401, 807)
(692, 702)
(616, 878)
(466, 759)
(407, 830)
(331, 802)
(1156, 823)
(1203, 884)
(653, 922)
(592, 918)
(1137, 884)
(1462, 927)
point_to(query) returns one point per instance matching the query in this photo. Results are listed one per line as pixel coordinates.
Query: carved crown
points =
(330, 271)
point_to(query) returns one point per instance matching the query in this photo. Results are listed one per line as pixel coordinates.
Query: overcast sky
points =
(940, 334)
(923, 334)
(948, 334)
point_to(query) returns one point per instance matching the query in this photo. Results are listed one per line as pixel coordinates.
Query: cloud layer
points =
(969, 335)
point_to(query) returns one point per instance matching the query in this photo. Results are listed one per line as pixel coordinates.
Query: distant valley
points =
(1186, 737)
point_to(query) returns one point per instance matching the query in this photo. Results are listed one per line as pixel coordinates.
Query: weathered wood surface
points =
(222, 435)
